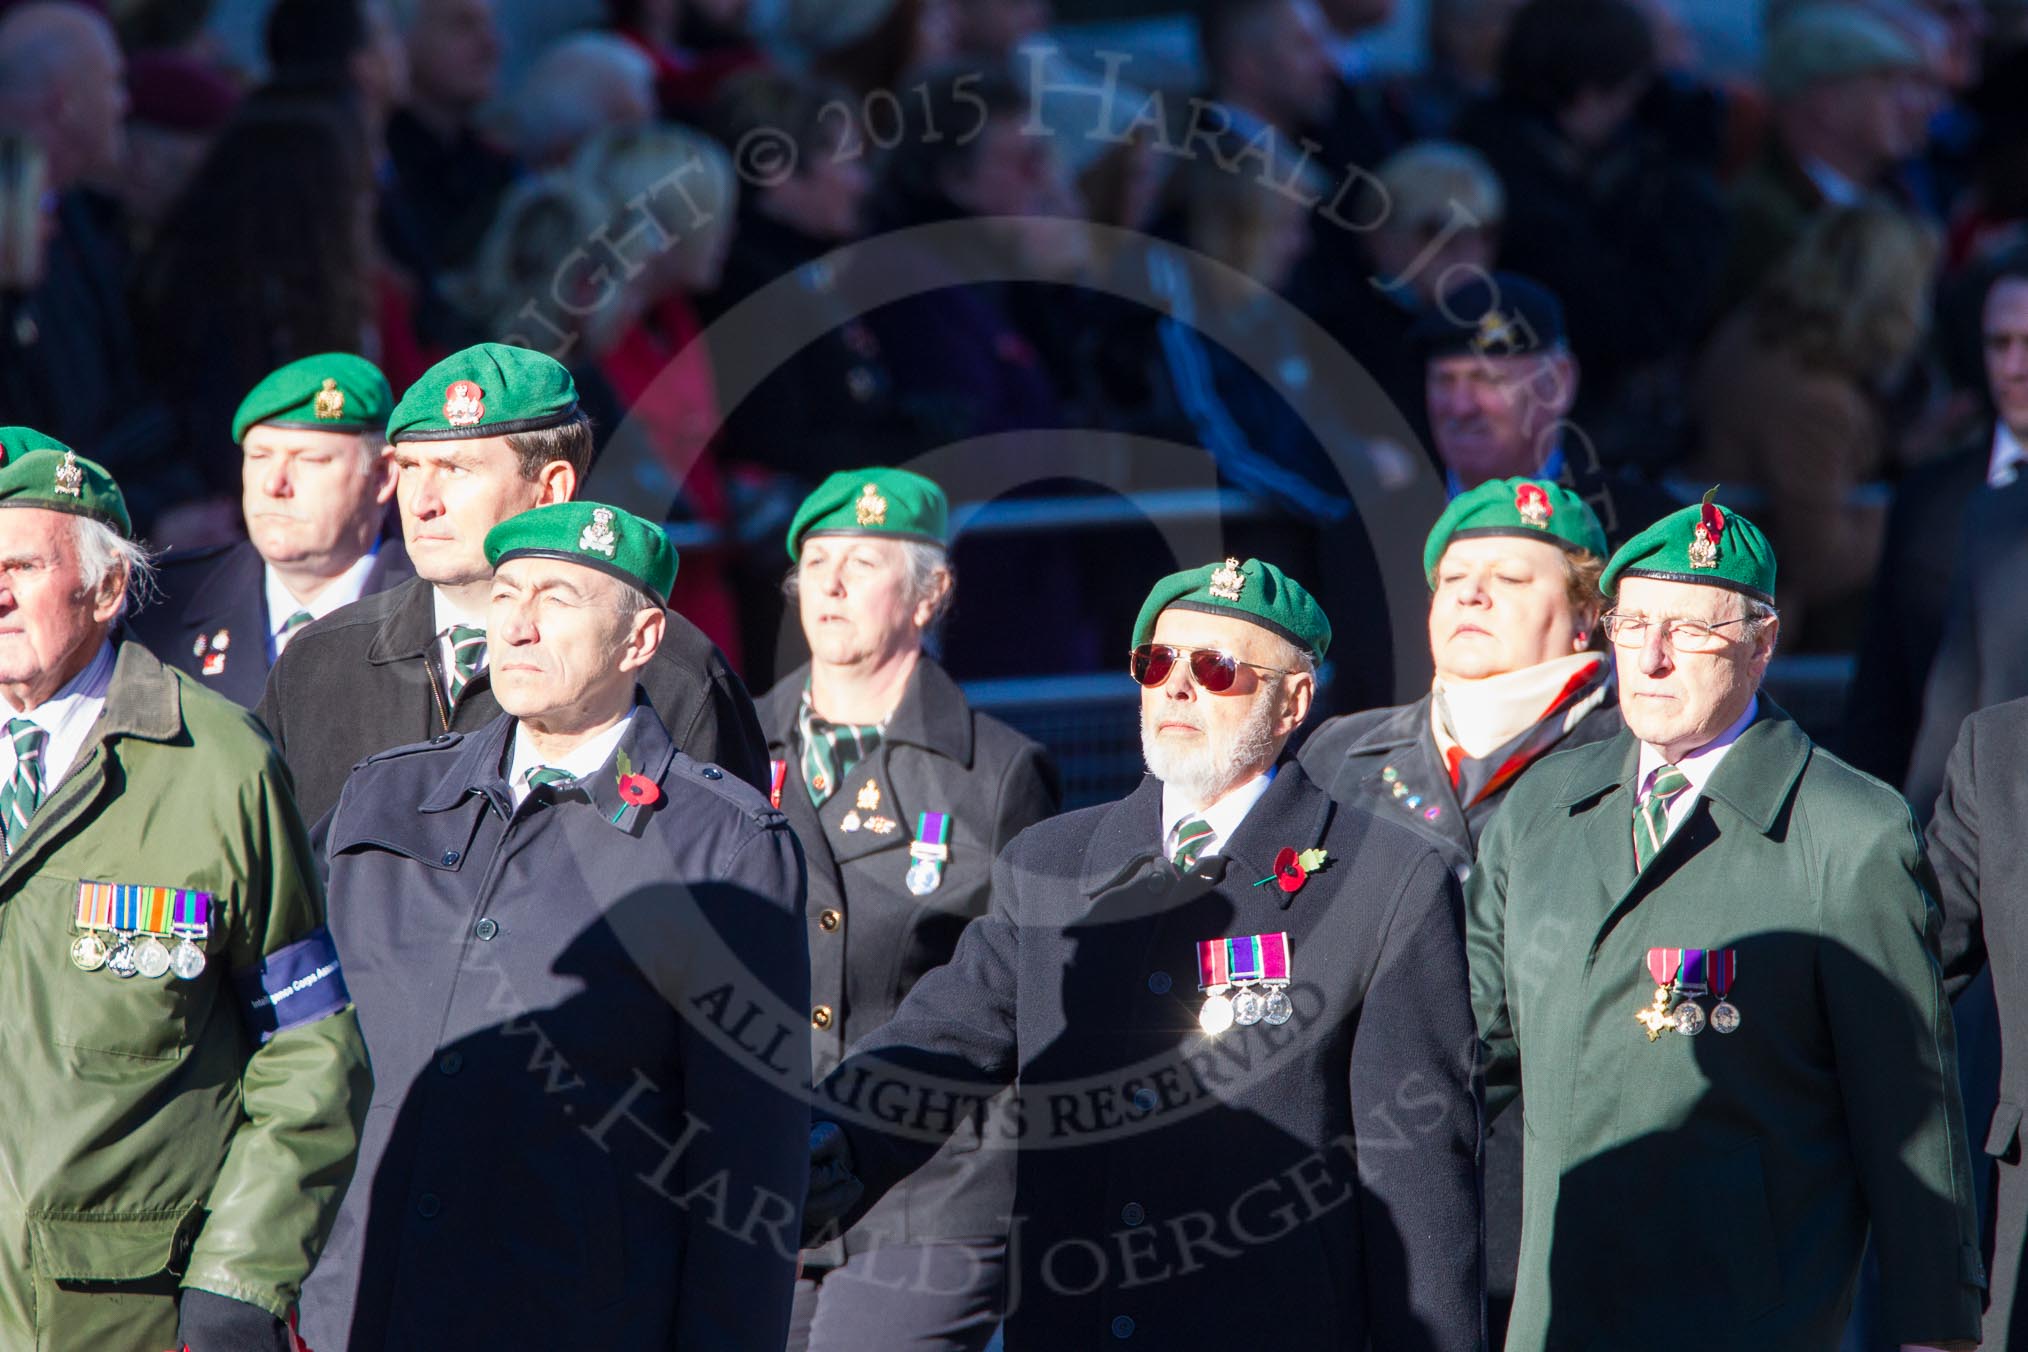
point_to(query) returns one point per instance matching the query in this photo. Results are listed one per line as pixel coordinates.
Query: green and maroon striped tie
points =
(1651, 818)
(24, 792)
(1192, 835)
(468, 655)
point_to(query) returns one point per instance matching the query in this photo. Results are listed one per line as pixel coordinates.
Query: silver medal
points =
(187, 960)
(120, 960)
(1724, 1017)
(1689, 1018)
(1280, 1009)
(88, 951)
(1216, 1016)
(151, 958)
(924, 877)
(1247, 1008)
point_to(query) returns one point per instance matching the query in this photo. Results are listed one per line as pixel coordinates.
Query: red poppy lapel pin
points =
(1293, 868)
(636, 790)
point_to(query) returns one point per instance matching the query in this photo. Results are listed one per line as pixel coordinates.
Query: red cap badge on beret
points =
(464, 404)
(1710, 525)
(1533, 504)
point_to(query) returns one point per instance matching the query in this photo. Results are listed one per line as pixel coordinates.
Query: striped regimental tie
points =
(468, 656)
(548, 776)
(289, 628)
(1651, 817)
(24, 792)
(1191, 837)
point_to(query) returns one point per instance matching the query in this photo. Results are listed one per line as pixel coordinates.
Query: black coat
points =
(1194, 1192)
(1349, 756)
(1979, 849)
(367, 677)
(871, 938)
(1983, 659)
(223, 590)
(549, 996)
(1905, 618)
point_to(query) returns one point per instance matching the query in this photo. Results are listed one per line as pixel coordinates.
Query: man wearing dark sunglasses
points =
(1235, 1016)
(1706, 950)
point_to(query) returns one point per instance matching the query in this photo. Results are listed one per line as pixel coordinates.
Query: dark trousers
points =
(942, 1297)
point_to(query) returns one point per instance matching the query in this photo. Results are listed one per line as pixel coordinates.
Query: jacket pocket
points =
(2004, 1132)
(112, 1246)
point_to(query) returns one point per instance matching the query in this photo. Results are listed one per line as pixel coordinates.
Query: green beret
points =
(613, 541)
(330, 392)
(1255, 591)
(872, 501)
(53, 476)
(491, 390)
(1704, 544)
(17, 441)
(1530, 509)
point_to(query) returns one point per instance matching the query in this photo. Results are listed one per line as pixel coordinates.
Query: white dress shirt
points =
(589, 758)
(2004, 466)
(342, 590)
(1223, 817)
(67, 716)
(1697, 767)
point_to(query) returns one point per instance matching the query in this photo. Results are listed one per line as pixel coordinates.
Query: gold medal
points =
(88, 951)
(1657, 1016)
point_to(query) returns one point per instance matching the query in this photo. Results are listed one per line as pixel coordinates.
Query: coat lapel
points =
(866, 815)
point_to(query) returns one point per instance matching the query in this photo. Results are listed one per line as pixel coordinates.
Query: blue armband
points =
(298, 984)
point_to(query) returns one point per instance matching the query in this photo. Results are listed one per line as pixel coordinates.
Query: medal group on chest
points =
(122, 928)
(1682, 976)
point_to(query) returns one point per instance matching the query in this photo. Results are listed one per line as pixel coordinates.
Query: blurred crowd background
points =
(1787, 238)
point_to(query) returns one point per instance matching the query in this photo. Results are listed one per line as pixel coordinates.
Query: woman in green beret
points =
(902, 797)
(1513, 568)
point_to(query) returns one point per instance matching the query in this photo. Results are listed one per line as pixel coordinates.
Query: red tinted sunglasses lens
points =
(1214, 671)
(1151, 665)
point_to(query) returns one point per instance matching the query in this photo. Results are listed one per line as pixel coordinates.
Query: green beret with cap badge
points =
(1705, 543)
(1528, 509)
(330, 392)
(610, 539)
(1254, 591)
(874, 501)
(491, 390)
(50, 475)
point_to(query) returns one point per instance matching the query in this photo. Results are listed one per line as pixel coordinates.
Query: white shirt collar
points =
(67, 716)
(1699, 765)
(589, 758)
(342, 590)
(1223, 817)
(2007, 458)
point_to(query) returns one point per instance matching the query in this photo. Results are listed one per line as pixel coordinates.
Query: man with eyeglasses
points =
(1710, 948)
(1235, 1017)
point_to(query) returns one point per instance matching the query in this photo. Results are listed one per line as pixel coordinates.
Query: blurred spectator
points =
(1465, 38)
(1439, 208)
(870, 45)
(331, 47)
(993, 30)
(1851, 102)
(169, 27)
(27, 219)
(1501, 382)
(1370, 116)
(178, 105)
(673, 189)
(579, 87)
(962, 367)
(448, 176)
(1269, 65)
(66, 355)
(686, 81)
(266, 257)
(1913, 587)
(1625, 233)
(1788, 399)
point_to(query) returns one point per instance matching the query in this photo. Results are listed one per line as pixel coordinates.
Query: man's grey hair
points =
(103, 551)
(631, 600)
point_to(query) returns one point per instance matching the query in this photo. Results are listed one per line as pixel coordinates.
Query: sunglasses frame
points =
(1220, 660)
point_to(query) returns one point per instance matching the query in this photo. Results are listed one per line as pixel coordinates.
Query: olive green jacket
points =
(1724, 1183)
(148, 1141)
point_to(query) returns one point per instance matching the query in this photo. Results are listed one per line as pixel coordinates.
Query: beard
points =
(1221, 759)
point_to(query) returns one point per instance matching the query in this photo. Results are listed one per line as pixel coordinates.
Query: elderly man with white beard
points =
(1235, 1017)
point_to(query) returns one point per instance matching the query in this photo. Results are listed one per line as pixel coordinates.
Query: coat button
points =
(827, 919)
(712, 772)
(820, 1017)
(1133, 1213)
(440, 739)
(427, 1206)
(486, 928)
(1159, 982)
(450, 1063)
(1123, 1327)
(451, 857)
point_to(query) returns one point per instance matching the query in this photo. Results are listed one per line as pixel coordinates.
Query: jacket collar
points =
(1404, 726)
(1293, 814)
(932, 713)
(1754, 780)
(409, 629)
(478, 769)
(143, 700)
